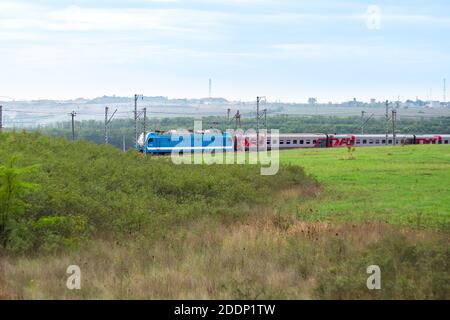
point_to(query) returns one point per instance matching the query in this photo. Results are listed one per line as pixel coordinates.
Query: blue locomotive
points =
(185, 142)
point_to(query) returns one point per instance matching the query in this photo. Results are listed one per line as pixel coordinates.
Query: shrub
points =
(124, 194)
(12, 190)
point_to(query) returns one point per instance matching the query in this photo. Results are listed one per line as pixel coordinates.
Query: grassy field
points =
(407, 185)
(283, 237)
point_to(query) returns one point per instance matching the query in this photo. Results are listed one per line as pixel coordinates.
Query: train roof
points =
(432, 135)
(298, 135)
(301, 135)
(184, 131)
(374, 135)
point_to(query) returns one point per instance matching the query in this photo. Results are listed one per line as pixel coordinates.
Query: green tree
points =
(12, 190)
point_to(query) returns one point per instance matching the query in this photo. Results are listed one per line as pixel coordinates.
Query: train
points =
(287, 141)
(211, 140)
(214, 140)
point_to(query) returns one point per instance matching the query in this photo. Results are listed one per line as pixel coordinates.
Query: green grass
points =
(407, 185)
(153, 230)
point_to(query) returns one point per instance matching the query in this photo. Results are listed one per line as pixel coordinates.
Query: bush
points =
(47, 234)
(12, 189)
(126, 194)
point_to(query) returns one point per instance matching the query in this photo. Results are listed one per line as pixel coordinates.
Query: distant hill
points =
(157, 100)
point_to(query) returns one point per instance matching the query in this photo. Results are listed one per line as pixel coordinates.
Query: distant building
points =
(213, 101)
(433, 104)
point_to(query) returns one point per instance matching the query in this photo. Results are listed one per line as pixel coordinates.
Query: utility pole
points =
(258, 116)
(362, 121)
(106, 125)
(238, 119)
(227, 123)
(258, 99)
(73, 115)
(1, 117)
(394, 119)
(145, 123)
(387, 122)
(123, 144)
(136, 98)
(107, 122)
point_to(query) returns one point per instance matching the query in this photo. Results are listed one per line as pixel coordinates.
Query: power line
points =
(348, 114)
(30, 112)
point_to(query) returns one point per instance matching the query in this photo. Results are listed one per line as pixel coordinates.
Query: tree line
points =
(121, 131)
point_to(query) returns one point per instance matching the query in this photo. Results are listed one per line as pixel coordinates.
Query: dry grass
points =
(265, 256)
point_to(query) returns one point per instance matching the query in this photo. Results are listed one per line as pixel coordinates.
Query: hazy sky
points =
(284, 49)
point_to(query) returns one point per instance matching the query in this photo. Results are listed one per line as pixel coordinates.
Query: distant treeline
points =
(124, 129)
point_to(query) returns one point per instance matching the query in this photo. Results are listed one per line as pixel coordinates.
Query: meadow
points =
(407, 185)
(142, 228)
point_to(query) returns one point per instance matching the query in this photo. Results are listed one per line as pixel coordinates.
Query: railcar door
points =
(322, 143)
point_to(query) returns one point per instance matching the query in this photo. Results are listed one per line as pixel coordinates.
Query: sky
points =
(286, 50)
